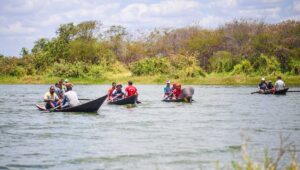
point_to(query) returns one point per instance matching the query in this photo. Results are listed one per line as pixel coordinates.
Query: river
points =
(205, 134)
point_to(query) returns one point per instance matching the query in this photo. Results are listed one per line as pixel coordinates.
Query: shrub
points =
(78, 69)
(151, 66)
(266, 65)
(244, 67)
(222, 61)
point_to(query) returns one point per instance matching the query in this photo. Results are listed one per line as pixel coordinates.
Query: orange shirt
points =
(110, 91)
(131, 90)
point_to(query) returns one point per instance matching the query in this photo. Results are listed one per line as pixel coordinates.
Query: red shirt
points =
(177, 92)
(131, 90)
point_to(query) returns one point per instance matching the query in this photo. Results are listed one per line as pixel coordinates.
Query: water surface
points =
(153, 135)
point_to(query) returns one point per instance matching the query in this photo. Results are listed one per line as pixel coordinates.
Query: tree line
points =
(88, 49)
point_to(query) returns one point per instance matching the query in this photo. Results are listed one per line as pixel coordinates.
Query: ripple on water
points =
(152, 135)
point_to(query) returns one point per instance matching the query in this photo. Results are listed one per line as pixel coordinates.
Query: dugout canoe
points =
(91, 106)
(185, 100)
(128, 100)
(278, 92)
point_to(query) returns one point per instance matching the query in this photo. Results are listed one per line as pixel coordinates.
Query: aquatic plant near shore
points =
(269, 162)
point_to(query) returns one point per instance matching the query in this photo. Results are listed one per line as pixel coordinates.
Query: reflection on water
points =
(149, 136)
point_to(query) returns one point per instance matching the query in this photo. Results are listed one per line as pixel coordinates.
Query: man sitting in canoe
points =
(279, 84)
(177, 91)
(167, 90)
(262, 85)
(59, 89)
(118, 94)
(51, 99)
(110, 91)
(270, 87)
(130, 89)
(70, 97)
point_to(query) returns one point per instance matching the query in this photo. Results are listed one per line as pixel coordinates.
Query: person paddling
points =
(279, 84)
(70, 97)
(51, 99)
(110, 91)
(130, 89)
(177, 91)
(262, 85)
(118, 94)
(167, 90)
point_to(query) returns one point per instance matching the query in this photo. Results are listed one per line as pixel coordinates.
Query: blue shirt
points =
(167, 90)
(118, 93)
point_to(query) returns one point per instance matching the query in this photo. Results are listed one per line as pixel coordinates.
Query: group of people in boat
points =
(116, 92)
(175, 92)
(264, 86)
(61, 95)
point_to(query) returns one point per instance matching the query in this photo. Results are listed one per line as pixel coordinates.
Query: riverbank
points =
(211, 79)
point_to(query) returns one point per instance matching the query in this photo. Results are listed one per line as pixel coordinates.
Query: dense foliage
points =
(88, 49)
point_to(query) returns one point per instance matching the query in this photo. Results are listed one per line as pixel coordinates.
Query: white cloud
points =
(160, 13)
(2, 19)
(223, 4)
(296, 5)
(51, 20)
(23, 7)
(270, 13)
(17, 28)
(40, 18)
(211, 21)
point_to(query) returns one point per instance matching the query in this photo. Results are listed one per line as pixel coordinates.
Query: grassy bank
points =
(211, 79)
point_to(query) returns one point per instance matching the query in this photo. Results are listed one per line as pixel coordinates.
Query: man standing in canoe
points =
(51, 99)
(70, 97)
(130, 89)
(279, 84)
(110, 91)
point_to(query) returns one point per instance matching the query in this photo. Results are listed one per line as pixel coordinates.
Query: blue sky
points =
(22, 22)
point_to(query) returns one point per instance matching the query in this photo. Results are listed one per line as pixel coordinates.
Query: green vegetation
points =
(286, 158)
(239, 52)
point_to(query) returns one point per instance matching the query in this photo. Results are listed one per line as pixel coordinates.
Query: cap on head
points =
(69, 86)
(263, 79)
(66, 80)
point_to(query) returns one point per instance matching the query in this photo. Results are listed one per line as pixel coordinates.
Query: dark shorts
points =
(48, 106)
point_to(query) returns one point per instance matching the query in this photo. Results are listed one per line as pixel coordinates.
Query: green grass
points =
(211, 79)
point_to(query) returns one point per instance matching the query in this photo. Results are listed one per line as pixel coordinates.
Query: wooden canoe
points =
(278, 92)
(185, 99)
(128, 100)
(91, 106)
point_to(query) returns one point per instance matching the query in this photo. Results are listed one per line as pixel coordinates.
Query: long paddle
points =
(54, 108)
(84, 99)
(255, 92)
(294, 91)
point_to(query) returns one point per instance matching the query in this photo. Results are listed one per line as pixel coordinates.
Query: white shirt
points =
(72, 98)
(279, 85)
